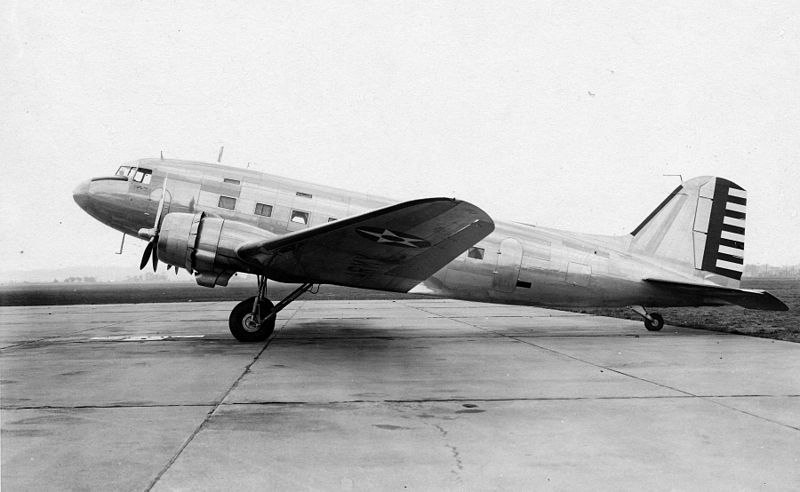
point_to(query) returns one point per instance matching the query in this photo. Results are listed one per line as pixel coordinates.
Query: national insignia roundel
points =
(392, 238)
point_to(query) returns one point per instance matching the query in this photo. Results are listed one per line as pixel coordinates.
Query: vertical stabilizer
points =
(698, 229)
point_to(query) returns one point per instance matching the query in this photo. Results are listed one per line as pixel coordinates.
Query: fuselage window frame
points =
(263, 210)
(227, 202)
(300, 217)
(476, 253)
(143, 176)
(231, 181)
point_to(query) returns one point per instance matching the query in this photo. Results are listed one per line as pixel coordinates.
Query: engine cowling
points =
(205, 245)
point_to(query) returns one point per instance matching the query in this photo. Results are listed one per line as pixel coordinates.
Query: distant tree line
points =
(785, 271)
(72, 280)
(145, 277)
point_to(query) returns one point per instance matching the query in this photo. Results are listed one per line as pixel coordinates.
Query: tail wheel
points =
(654, 324)
(246, 326)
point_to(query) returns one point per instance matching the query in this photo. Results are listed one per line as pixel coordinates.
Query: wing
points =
(709, 294)
(392, 248)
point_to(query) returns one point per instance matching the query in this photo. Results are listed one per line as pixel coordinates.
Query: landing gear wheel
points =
(247, 327)
(656, 324)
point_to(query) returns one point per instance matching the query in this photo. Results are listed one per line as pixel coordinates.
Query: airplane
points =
(215, 220)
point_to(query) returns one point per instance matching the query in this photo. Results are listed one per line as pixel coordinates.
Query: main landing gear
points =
(253, 320)
(652, 321)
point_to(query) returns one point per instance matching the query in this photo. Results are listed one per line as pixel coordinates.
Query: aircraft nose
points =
(81, 194)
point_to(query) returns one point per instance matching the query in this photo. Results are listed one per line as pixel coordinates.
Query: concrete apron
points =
(423, 394)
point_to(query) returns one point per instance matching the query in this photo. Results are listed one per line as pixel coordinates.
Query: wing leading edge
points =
(392, 248)
(747, 298)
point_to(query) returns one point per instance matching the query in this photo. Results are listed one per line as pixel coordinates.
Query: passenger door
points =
(506, 272)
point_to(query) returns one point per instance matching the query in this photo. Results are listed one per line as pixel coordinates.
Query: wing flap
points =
(392, 248)
(747, 298)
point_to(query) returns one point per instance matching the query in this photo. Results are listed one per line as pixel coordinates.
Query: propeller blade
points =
(153, 244)
(146, 256)
(160, 209)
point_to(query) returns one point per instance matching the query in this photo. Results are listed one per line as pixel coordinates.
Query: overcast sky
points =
(562, 114)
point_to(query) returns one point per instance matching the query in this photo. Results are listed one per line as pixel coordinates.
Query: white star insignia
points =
(394, 238)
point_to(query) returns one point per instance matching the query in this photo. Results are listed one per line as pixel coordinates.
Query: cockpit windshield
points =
(139, 174)
(124, 171)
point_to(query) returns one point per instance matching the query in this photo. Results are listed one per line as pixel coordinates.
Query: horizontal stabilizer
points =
(711, 294)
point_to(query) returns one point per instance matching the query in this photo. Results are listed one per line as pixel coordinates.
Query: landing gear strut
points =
(253, 320)
(652, 321)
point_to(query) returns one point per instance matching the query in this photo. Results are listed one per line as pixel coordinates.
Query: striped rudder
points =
(721, 206)
(697, 230)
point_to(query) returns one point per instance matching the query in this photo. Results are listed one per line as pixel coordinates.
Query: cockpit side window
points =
(143, 175)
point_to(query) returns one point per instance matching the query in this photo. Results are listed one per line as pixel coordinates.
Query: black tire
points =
(245, 328)
(656, 324)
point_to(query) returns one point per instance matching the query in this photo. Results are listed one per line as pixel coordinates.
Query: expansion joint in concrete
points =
(211, 412)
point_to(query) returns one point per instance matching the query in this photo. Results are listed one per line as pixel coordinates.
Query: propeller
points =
(152, 234)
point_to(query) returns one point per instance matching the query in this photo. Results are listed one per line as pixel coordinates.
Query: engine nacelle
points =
(205, 245)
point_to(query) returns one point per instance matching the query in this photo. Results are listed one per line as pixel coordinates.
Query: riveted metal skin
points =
(205, 245)
(221, 219)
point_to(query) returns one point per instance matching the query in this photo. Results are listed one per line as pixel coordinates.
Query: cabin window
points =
(304, 195)
(299, 217)
(143, 176)
(331, 219)
(227, 202)
(232, 181)
(263, 209)
(476, 253)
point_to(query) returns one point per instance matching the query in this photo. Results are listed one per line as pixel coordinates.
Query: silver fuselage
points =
(515, 264)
